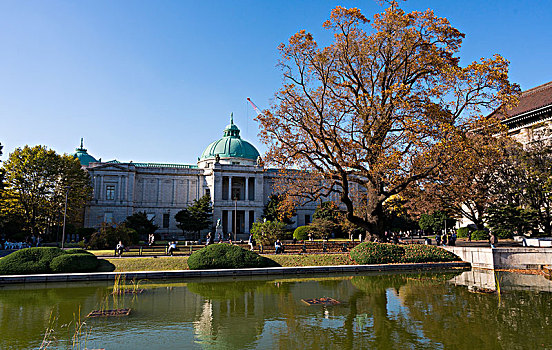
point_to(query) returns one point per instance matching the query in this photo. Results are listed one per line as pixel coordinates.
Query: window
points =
(307, 219)
(166, 220)
(208, 192)
(108, 217)
(110, 192)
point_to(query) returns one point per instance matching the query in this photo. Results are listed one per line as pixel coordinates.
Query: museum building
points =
(531, 120)
(230, 171)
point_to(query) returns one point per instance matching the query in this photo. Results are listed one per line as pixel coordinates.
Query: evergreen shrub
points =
(385, 253)
(463, 232)
(480, 235)
(301, 233)
(377, 253)
(47, 260)
(77, 251)
(226, 256)
(503, 233)
(414, 253)
(29, 260)
(74, 263)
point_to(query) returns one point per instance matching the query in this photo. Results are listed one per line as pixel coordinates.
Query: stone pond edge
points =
(107, 276)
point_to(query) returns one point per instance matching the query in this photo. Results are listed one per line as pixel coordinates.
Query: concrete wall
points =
(504, 258)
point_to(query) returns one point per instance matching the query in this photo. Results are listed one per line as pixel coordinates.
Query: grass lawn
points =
(180, 262)
(312, 259)
(150, 264)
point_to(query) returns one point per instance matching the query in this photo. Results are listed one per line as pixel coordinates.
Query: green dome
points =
(84, 158)
(231, 145)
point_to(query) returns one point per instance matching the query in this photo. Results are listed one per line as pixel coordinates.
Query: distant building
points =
(531, 119)
(230, 171)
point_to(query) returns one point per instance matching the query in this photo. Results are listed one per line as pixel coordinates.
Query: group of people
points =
(120, 248)
(29, 241)
(446, 239)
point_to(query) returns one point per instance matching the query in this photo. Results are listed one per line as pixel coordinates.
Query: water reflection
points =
(377, 311)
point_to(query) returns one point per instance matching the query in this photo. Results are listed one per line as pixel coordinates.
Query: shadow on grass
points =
(105, 266)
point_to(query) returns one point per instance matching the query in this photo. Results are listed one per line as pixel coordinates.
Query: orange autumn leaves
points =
(379, 109)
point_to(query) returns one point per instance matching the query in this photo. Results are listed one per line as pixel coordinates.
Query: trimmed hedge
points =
(74, 263)
(377, 253)
(47, 260)
(226, 256)
(301, 233)
(463, 232)
(480, 235)
(414, 253)
(29, 260)
(384, 253)
(77, 251)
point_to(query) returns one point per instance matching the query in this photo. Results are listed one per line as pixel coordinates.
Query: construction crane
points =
(257, 110)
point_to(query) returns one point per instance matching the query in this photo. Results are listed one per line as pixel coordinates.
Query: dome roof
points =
(231, 145)
(84, 158)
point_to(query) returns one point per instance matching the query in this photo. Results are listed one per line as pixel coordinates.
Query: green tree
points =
(267, 232)
(139, 221)
(36, 182)
(435, 222)
(329, 211)
(524, 180)
(273, 211)
(397, 217)
(198, 216)
(108, 236)
(426, 223)
(323, 227)
(507, 220)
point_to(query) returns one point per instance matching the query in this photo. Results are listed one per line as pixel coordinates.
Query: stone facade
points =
(239, 187)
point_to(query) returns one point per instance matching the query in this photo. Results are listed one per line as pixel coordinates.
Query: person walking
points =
(453, 237)
(251, 242)
(493, 240)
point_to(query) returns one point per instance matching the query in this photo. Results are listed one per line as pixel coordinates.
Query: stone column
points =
(158, 190)
(187, 191)
(230, 221)
(246, 189)
(173, 191)
(100, 196)
(119, 185)
(124, 187)
(246, 226)
(144, 190)
(230, 188)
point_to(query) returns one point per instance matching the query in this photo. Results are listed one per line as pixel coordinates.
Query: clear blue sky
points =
(156, 81)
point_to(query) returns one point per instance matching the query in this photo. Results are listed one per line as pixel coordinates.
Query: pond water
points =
(376, 311)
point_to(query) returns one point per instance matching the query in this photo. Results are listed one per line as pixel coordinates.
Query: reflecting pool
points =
(430, 310)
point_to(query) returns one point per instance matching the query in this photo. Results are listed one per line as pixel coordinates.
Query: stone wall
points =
(504, 258)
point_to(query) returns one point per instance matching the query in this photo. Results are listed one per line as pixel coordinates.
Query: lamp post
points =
(64, 217)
